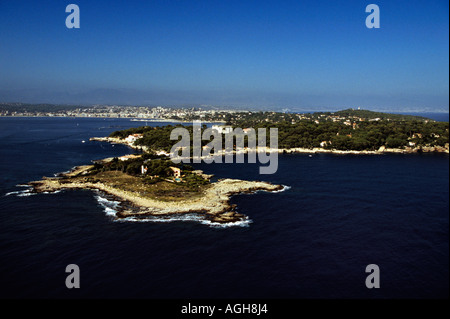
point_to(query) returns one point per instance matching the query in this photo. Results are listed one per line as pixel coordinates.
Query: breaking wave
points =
(21, 193)
(241, 223)
(191, 217)
(25, 192)
(285, 188)
(109, 206)
(29, 191)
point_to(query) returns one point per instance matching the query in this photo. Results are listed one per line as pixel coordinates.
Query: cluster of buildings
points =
(222, 129)
(133, 137)
(186, 114)
(176, 172)
(114, 111)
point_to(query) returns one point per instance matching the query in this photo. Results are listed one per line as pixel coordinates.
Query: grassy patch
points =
(162, 190)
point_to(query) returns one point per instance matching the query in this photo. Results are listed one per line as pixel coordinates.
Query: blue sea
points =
(339, 214)
(440, 117)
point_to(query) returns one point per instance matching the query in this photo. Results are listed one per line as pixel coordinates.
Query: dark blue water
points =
(440, 117)
(312, 241)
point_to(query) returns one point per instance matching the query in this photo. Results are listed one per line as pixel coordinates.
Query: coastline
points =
(214, 202)
(380, 151)
(171, 121)
(132, 119)
(115, 140)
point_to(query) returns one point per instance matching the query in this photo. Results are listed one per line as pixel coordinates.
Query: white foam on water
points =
(28, 191)
(109, 206)
(285, 188)
(24, 185)
(241, 223)
(54, 192)
(185, 218)
(15, 193)
(25, 192)
(110, 211)
(162, 219)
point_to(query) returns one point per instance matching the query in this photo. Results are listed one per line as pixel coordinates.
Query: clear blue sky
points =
(310, 55)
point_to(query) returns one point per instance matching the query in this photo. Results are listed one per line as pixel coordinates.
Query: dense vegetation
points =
(366, 114)
(133, 166)
(156, 138)
(158, 169)
(365, 135)
(253, 118)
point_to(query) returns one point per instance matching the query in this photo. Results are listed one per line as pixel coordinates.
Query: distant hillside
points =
(44, 107)
(383, 116)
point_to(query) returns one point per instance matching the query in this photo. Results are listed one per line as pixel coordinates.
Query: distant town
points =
(109, 111)
(159, 113)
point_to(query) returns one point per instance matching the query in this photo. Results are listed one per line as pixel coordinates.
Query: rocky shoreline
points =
(214, 202)
(381, 150)
(115, 140)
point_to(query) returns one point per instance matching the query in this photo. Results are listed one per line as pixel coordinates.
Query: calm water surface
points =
(311, 241)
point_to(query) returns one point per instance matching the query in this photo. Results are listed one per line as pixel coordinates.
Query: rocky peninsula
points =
(213, 200)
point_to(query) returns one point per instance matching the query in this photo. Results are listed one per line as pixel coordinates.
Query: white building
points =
(127, 157)
(223, 129)
(133, 137)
